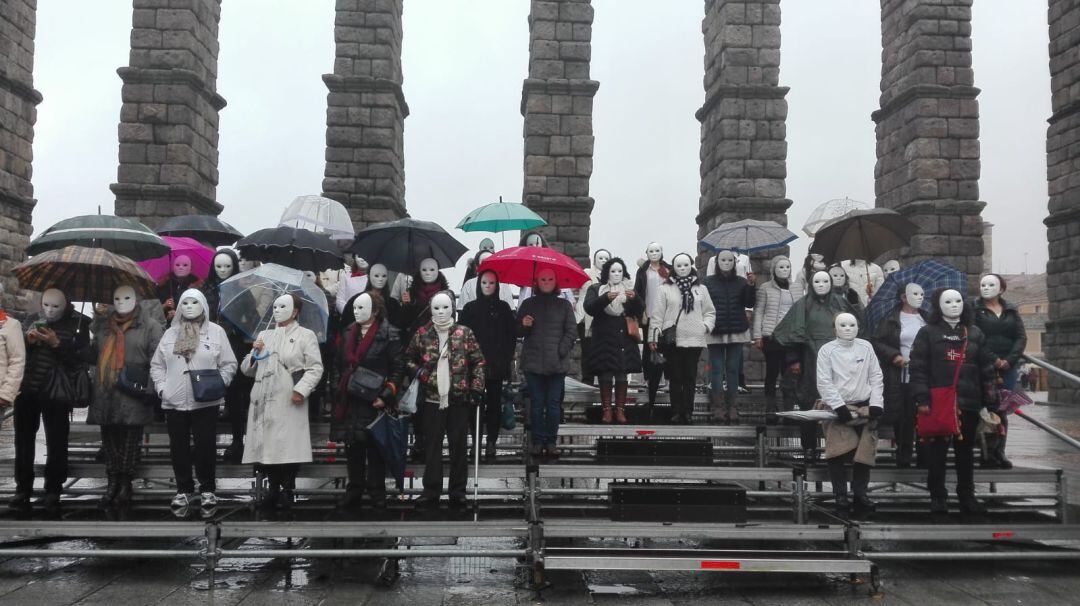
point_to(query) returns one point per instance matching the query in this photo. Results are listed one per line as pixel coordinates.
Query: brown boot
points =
(620, 403)
(605, 401)
(731, 410)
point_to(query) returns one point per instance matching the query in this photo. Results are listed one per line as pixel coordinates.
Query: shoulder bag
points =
(943, 418)
(206, 385)
(667, 336)
(365, 384)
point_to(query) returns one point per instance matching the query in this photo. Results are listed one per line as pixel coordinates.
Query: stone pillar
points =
(365, 112)
(1061, 342)
(169, 117)
(18, 112)
(928, 131)
(743, 128)
(556, 102)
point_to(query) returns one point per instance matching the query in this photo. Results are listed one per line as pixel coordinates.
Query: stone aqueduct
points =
(927, 126)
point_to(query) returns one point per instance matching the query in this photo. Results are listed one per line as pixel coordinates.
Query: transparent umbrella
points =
(247, 299)
(827, 211)
(320, 215)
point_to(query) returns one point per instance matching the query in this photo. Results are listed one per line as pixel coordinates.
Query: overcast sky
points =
(464, 62)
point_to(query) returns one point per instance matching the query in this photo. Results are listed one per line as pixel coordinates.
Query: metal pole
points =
(476, 476)
(971, 555)
(102, 553)
(1048, 429)
(371, 553)
(1054, 369)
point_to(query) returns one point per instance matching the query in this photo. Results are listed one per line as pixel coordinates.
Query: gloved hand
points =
(876, 411)
(477, 398)
(843, 414)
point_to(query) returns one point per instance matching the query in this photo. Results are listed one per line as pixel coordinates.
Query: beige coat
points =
(12, 359)
(278, 430)
(841, 439)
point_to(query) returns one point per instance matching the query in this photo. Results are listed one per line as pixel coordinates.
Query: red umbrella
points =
(201, 258)
(520, 265)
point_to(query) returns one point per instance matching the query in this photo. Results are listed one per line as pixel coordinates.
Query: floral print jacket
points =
(466, 362)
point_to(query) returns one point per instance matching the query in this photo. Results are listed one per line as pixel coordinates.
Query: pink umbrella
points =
(520, 265)
(201, 258)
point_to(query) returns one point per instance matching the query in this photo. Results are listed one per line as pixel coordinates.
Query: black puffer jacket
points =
(933, 364)
(611, 348)
(545, 347)
(731, 296)
(1005, 334)
(73, 329)
(352, 415)
(493, 323)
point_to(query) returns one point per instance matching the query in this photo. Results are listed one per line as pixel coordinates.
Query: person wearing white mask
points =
(192, 343)
(850, 383)
(681, 321)
(351, 281)
(533, 238)
(892, 341)
(772, 302)
(379, 282)
(812, 264)
(180, 278)
(416, 313)
(12, 355)
(650, 276)
(470, 289)
(890, 267)
(286, 365)
(367, 368)
(864, 278)
(613, 352)
(125, 339)
(599, 259)
(447, 360)
(57, 341)
(1006, 338)
(950, 352)
(731, 296)
(841, 284)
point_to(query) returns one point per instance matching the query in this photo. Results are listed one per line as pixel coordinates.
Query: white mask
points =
(989, 287)
(846, 326)
(223, 266)
(378, 276)
(442, 308)
(839, 276)
(181, 266)
(615, 274)
(545, 280)
(534, 240)
(683, 264)
(600, 258)
(283, 309)
(487, 244)
(429, 271)
(952, 305)
(190, 308)
(124, 300)
(488, 283)
(822, 283)
(892, 266)
(725, 261)
(782, 269)
(818, 263)
(53, 303)
(362, 308)
(914, 295)
(246, 265)
(360, 263)
(654, 252)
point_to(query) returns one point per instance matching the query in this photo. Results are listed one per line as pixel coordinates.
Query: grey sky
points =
(464, 62)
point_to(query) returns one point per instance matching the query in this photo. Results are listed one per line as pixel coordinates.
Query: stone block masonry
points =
(169, 118)
(365, 112)
(557, 104)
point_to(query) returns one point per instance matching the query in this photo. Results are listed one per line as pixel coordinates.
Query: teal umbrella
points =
(501, 216)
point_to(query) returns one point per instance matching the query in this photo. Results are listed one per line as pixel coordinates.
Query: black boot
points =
(124, 493)
(234, 453)
(110, 492)
(841, 506)
(969, 505)
(863, 504)
(489, 452)
(20, 504)
(351, 501)
(51, 505)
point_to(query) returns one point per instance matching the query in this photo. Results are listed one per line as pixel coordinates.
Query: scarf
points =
(783, 283)
(426, 291)
(442, 368)
(615, 307)
(3, 317)
(111, 360)
(686, 287)
(188, 338)
(356, 348)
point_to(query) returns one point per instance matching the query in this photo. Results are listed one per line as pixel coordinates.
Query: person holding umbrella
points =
(613, 353)
(379, 282)
(416, 313)
(179, 279)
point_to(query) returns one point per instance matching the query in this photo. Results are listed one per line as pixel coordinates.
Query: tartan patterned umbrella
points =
(84, 274)
(929, 274)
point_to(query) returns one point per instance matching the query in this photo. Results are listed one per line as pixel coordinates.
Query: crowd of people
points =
(176, 357)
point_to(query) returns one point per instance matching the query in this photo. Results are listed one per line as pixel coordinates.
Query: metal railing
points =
(1064, 374)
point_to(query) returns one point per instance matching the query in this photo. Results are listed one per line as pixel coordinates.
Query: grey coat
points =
(546, 346)
(110, 406)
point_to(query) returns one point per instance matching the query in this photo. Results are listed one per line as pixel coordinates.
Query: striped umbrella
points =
(84, 274)
(747, 236)
(115, 234)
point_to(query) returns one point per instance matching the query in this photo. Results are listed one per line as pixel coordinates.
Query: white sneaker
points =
(207, 500)
(181, 500)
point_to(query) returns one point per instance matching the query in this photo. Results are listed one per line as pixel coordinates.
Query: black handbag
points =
(365, 384)
(71, 388)
(206, 385)
(134, 382)
(667, 336)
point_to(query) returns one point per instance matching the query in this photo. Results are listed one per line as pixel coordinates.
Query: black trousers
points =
(30, 411)
(452, 423)
(904, 425)
(682, 366)
(936, 449)
(199, 426)
(123, 448)
(237, 401)
(491, 415)
(775, 368)
(282, 475)
(367, 468)
(860, 475)
(652, 372)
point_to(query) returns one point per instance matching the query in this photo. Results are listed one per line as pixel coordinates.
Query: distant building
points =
(1028, 293)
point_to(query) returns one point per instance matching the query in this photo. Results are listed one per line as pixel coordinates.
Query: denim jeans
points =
(725, 362)
(545, 401)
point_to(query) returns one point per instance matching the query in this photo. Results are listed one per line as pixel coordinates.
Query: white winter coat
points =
(169, 371)
(12, 358)
(277, 429)
(693, 326)
(772, 304)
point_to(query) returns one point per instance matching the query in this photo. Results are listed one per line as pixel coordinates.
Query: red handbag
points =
(944, 417)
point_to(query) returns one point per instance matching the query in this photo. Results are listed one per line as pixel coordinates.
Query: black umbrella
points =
(292, 247)
(204, 228)
(863, 234)
(118, 235)
(401, 245)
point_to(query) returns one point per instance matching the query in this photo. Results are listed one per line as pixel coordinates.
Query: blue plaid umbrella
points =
(930, 274)
(391, 435)
(747, 236)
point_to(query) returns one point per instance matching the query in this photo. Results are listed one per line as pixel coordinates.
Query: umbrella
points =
(748, 236)
(863, 234)
(929, 274)
(204, 228)
(500, 216)
(201, 258)
(118, 235)
(292, 247)
(401, 245)
(391, 434)
(827, 211)
(320, 215)
(84, 274)
(247, 299)
(519, 265)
